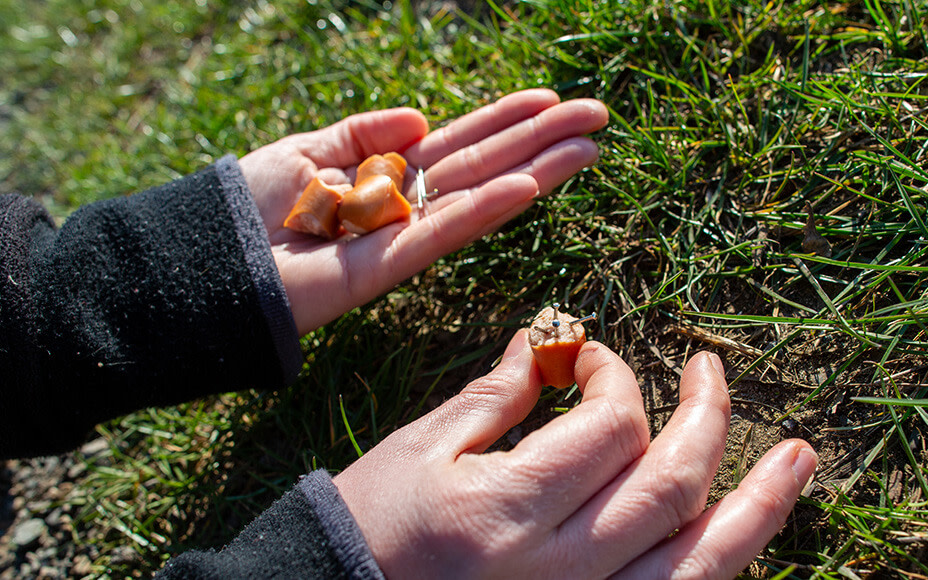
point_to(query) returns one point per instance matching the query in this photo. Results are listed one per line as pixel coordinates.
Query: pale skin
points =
(488, 166)
(590, 494)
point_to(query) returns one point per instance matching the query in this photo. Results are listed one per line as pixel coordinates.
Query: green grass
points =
(726, 119)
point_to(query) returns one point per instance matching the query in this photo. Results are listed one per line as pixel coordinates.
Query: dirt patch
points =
(39, 509)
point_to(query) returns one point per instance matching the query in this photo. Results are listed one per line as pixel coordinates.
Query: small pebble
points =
(49, 573)
(95, 447)
(51, 463)
(54, 518)
(27, 534)
(123, 555)
(39, 507)
(82, 566)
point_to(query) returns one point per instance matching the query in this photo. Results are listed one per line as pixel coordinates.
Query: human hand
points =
(586, 496)
(488, 166)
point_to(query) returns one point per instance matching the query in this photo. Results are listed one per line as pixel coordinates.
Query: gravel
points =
(38, 505)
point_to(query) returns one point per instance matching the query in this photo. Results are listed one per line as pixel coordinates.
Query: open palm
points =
(488, 166)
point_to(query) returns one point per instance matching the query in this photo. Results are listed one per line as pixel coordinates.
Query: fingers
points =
(575, 455)
(549, 168)
(515, 147)
(476, 417)
(668, 485)
(345, 274)
(491, 405)
(381, 259)
(355, 138)
(724, 539)
(479, 124)
(530, 143)
(560, 162)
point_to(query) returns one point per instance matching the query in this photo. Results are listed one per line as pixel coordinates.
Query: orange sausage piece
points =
(371, 204)
(555, 344)
(392, 164)
(316, 212)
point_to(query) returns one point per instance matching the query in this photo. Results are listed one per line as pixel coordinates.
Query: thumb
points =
(491, 405)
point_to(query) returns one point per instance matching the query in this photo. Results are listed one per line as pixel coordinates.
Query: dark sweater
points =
(155, 299)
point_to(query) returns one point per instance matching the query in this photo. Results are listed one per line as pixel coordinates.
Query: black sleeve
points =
(308, 533)
(151, 299)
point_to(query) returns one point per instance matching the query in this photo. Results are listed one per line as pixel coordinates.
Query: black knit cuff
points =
(347, 541)
(254, 241)
(308, 534)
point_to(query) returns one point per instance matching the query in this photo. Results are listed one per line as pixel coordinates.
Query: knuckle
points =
(490, 384)
(627, 427)
(681, 490)
(618, 430)
(476, 516)
(473, 158)
(487, 392)
(701, 565)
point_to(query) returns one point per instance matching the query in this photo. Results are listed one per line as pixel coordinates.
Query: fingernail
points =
(717, 364)
(804, 463)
